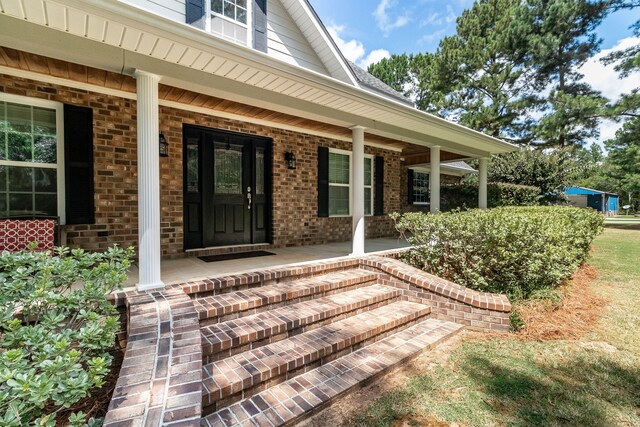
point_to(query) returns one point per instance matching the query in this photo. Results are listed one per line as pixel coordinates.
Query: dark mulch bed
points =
(97, 403)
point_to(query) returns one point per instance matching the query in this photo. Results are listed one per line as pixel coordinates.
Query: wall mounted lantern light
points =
(164, 146)
(291, 160)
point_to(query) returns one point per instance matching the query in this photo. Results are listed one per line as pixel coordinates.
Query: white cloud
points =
(604, 78)
(385, 22)
(354, 50)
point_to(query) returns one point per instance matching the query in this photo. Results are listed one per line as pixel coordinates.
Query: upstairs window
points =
(232, 9)
(229, 20)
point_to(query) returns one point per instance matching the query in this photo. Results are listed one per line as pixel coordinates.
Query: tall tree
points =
(624, 158)
(562, 39)
(480, 69)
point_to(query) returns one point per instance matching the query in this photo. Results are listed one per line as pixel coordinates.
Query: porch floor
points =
(192, 268)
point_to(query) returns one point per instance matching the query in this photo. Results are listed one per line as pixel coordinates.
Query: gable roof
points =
(372, 82)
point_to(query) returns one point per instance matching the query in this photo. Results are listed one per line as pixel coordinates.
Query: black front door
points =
(226, 188)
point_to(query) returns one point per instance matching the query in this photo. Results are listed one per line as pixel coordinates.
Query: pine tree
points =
(562, 39)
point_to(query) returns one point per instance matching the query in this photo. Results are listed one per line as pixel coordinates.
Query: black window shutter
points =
(323, 182)
(78, 164)
(378, 200)
(260, 25)
(195, 12)
(410, 186)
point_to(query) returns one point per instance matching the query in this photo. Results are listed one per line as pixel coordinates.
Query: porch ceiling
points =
(118, 37)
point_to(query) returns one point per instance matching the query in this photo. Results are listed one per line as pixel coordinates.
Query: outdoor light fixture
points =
(164, 146)
(291, 160)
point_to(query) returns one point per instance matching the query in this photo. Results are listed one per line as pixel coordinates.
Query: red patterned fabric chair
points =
(17, 234)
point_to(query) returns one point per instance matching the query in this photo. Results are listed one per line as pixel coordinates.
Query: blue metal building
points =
(604, 202)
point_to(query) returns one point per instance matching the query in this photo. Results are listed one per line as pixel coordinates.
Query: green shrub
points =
(465, 195)
(510, 250)
(56, 330)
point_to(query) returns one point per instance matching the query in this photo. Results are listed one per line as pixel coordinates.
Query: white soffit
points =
(249, 76)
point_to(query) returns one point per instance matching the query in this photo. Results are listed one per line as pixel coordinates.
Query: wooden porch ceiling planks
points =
(425, 157)
(57, 68)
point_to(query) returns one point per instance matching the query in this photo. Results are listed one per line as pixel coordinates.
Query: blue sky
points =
(369, 30)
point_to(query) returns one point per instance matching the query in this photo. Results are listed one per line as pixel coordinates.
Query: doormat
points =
(238, 255)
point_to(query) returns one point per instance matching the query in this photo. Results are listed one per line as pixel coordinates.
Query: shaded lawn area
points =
(506, 381)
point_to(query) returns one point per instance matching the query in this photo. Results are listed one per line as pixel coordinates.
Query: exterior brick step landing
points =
(221, 339)
(239, 376)
(232, 305)
(289, 402)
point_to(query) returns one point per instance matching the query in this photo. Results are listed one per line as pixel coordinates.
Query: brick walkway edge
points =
(160, 380)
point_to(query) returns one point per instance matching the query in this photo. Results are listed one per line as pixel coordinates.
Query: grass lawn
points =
(512, 381)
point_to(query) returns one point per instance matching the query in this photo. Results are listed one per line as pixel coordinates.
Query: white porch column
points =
(482, 178)
(148, 182)
(357, 190)
(434, 180)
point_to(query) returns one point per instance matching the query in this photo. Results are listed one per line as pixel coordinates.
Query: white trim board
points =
(180, 106)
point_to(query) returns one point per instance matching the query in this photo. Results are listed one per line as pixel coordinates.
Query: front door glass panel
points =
(228, 169)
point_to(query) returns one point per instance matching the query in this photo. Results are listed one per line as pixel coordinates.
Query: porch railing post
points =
(149, 276)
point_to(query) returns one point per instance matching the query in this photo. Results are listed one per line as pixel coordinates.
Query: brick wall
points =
(295, 220)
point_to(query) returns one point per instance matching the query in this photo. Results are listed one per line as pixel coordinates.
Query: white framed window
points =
(340, 188)
(31, 157)
(420, 188)
(230, 19)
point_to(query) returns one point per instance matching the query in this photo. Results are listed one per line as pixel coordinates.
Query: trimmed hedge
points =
(509, 250)
(498, 194)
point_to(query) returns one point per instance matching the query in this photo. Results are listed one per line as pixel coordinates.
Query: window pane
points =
(20, 179)
(229, 10)
(46, 204)
(228, 169)
(242, 15)
(367, 201)
(338, 200)
(216, 6)
(242, 3)
(19, 117)
(338, 168)
(260, 172)
(420, 187)
(44, 121)
(19, 145)
(3, 178)
(20, 203)
(44, 180)
(44, 148)
(193, 167)
(3, 122)
(367, 171)
(3, 204)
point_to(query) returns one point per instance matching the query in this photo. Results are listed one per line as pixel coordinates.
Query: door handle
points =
(249, 197)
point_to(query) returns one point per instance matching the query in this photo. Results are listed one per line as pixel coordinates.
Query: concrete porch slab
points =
(192, 268)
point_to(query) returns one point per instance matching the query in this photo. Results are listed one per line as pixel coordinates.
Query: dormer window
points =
(232, 9)
(229, 19)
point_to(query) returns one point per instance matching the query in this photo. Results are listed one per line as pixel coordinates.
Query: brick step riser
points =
(332, 355)
(226, 289)
(335, 289)
(364, 383)
(284, 334)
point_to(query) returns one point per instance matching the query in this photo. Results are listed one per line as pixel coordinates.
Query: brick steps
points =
(224, 339)
(229, 306)
(231, 379)
(288, 402)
